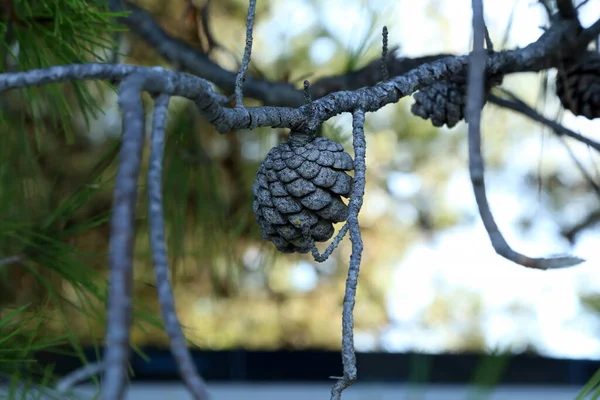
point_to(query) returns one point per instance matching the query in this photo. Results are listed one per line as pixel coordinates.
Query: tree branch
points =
(180, 352)
(122, 237)
(475, 94)
(591, 219)
(241, 75)
(545, 53)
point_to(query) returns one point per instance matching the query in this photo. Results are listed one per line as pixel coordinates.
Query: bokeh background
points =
(430, 281)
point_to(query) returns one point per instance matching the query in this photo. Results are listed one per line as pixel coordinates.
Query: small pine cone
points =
(442, 103)
(445, 102)
(297, 192)
(578, 85)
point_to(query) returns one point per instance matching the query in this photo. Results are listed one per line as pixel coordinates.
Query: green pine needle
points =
(58, 32)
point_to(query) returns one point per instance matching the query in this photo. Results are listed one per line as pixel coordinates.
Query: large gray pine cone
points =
(297, 192)
(578, 85)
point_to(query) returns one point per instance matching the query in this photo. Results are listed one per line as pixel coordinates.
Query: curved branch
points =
(354, 206)
(122, 238)
(475, 100)
(67, 383)
(241, 75)
(166, 298)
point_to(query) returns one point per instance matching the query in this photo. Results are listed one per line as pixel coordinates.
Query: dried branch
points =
(533, 57)
(122, 237)
(520, 106)
(354, 206)
(66, 384)
(475, 94)
(180, 352)
(241, 75)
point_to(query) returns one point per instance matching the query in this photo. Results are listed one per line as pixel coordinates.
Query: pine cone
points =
(445, 102)
(297, 192)
(578, 85)
(442, 103)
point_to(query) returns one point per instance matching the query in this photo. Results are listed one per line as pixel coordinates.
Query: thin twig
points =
(518, 105)
(241, 75)
(546, 7)
(591, 219)
(587, 176)
(329, 250)
(354, 206)
(307, 96)
(583, 3)
(489, 45)
(475, 93)
(384, 55)
(204, 24)
(122, 238)
(66, 384)
(180, 352)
